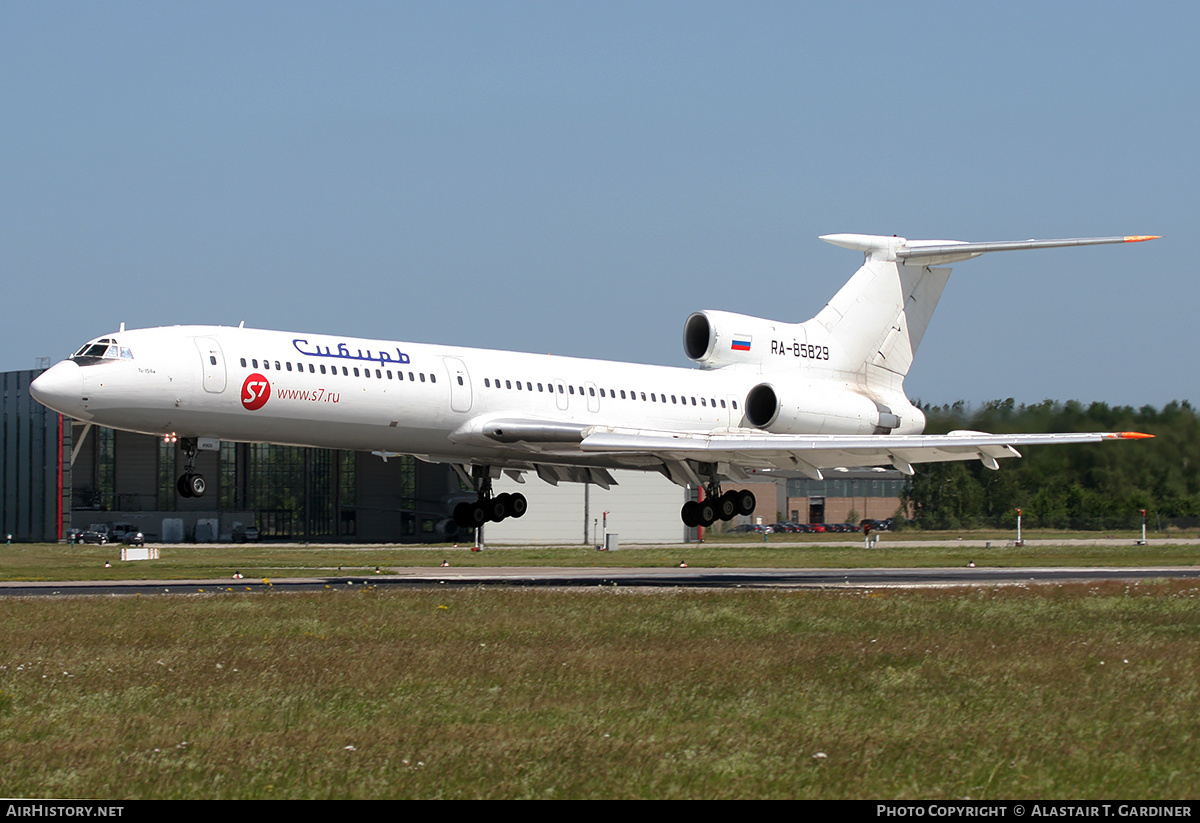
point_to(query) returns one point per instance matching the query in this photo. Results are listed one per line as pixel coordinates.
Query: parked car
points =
(120, 531)
(96, 533)
(245, 534)
(751, 528)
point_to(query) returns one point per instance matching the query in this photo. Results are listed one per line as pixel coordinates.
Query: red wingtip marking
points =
(1138, 238)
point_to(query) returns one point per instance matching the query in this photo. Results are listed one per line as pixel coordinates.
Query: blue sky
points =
(577, 178)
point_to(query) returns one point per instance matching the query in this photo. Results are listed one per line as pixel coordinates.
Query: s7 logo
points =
(255, 392)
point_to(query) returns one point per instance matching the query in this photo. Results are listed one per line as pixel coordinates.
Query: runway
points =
(416, 578)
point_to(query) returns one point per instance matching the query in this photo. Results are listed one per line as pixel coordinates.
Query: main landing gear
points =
(190, 484)
(717, 506)
(488, 508)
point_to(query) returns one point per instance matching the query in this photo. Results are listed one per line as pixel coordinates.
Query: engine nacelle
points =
(720, 338)
(818, 410)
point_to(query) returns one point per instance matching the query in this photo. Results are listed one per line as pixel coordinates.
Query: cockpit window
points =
(104, 348)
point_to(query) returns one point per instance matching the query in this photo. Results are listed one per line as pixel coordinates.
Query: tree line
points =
(1085, 486)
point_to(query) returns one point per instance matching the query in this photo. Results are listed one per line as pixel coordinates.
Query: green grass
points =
(1043, 692)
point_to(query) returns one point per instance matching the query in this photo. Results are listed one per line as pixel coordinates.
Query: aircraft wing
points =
(811, 453)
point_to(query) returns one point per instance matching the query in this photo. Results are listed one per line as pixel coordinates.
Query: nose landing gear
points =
(190, 484)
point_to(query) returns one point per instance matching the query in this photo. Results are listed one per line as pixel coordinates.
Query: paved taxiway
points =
(644, 577)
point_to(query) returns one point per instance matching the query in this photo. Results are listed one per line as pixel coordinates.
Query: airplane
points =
(805, 397)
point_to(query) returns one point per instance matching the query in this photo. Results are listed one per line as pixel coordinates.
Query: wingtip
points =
(1132, 435)
(1138, 238)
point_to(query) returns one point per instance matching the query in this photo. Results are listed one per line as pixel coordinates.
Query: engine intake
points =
(762, 406)
(720, 338)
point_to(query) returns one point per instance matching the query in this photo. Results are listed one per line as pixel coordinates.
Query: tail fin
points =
(875, 322)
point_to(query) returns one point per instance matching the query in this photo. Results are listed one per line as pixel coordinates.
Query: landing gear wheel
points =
(745, 502)
(197, 485)
(489, 508)
(690, 514)
(707, 513)
(183, 487)
(497, 508)
(462, 516)
(726, 504)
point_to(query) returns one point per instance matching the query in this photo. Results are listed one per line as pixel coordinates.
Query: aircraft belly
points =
(297, 431)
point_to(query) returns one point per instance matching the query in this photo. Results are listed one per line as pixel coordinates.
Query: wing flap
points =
(812, 453)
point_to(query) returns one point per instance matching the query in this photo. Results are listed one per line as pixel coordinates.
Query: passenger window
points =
(572, 388)
(212, 360)
(322, 368)
(460, 380)
(487, 383)
(591, 392)
(277, 365)
(255, 363)
(356, 371)
(433, 378)
(289, 365)
(243, 362)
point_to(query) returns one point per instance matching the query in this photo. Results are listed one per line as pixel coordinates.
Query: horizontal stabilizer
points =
(943, 252)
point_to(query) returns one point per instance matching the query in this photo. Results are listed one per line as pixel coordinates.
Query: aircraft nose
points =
(60, 388)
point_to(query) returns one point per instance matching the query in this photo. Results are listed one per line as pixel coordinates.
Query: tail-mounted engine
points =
(809, 410)
(720, 338)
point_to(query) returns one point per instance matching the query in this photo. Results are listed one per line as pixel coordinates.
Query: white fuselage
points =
(410, 398)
